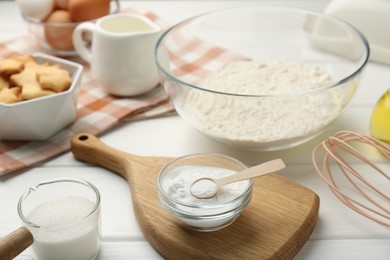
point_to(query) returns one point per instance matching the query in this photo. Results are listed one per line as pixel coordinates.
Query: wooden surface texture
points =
(277, 223)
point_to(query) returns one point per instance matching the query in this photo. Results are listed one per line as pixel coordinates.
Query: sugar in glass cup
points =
(63, 216)
(203, 215)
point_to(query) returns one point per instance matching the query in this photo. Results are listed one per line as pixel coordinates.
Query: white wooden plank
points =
(117, 251)
(314, 249)
(363, 249)
(337, 221)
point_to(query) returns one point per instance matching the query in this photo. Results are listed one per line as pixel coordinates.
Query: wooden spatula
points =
(276, 224)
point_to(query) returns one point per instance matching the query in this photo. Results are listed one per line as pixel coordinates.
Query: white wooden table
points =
(340, 232)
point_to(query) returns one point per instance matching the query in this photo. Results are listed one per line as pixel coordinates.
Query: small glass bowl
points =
(62, 31)
(204, 215)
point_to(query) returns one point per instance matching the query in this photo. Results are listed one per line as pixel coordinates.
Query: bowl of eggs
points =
(261, 78)
(52, 22)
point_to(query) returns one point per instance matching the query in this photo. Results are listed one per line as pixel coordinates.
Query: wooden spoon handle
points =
(88, 148)
(15, 243)
(255, 171)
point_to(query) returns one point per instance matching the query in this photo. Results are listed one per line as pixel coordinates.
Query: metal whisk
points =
(369, 200)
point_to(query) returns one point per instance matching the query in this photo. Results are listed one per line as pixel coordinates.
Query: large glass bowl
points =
(275, 114)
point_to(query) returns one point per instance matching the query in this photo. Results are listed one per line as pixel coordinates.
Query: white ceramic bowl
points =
(40, 118)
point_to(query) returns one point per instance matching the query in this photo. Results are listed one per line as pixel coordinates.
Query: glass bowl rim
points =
(335, 84)
(53, 181)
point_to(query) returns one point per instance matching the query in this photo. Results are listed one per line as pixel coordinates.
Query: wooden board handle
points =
(15, 243)
(88, 148)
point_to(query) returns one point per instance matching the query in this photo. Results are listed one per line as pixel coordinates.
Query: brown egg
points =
(59, 37)
(61, 4)
(84, 10)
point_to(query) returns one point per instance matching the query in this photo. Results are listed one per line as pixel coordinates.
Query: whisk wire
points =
(340, 141)
(342, 196)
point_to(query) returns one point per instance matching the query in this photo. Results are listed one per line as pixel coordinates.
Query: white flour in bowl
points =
(248, 120)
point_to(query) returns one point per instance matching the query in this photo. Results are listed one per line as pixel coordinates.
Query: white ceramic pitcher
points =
(121, 53)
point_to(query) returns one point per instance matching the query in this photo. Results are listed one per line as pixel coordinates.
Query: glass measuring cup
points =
(63, 216)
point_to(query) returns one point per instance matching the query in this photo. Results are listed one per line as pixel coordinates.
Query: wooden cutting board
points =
(277, 223)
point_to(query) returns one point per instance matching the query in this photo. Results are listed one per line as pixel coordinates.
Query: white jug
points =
(121, 53)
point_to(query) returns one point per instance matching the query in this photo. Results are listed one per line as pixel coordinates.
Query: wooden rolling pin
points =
(14, 243)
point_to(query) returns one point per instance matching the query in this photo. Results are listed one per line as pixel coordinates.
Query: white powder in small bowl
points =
(177, 184)
(204, 214)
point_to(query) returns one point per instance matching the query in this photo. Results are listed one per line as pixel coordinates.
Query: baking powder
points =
(264, 119)
(177, 184)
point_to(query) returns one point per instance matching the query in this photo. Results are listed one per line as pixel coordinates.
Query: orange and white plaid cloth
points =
(97, 111)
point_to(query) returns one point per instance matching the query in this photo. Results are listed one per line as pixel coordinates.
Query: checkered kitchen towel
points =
(97, 111)
(191, 60)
